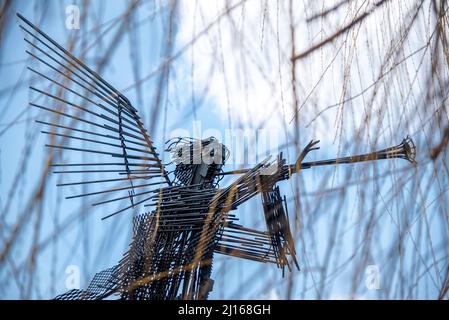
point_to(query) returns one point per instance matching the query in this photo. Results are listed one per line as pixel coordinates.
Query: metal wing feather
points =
(103, 125)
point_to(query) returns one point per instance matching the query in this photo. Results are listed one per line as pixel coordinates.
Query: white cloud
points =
(250, 49)
(243, 49)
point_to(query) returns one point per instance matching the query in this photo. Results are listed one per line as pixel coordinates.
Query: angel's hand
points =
(305, 151)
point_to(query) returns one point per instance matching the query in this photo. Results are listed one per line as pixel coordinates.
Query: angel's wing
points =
(115, 157)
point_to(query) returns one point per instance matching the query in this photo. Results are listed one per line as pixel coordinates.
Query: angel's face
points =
(213, 152)
(194, 152)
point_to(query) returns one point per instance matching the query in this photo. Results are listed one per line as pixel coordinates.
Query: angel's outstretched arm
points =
(405, 150)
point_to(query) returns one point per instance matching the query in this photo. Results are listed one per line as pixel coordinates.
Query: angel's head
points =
(197, 161)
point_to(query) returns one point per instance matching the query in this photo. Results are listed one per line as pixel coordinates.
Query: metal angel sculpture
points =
(190, 217)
